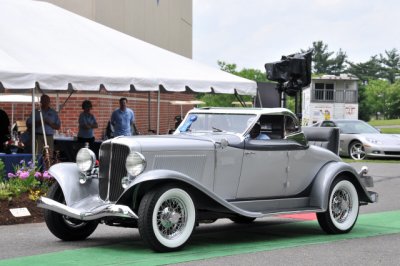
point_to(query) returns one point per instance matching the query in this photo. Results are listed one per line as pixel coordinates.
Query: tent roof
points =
(17, 98)
(56, 48)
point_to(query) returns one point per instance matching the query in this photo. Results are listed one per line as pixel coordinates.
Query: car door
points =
(302, 166)
(263, 172)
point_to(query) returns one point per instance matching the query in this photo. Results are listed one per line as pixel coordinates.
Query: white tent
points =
(48, 47)
(54, 47)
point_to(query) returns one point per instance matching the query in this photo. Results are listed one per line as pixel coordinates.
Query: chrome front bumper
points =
(91, 213)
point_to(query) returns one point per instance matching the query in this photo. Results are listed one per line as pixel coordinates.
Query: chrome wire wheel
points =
(343, 208)
(73, 223)
(171, 218)
(341, 205)
(357, 151)
(167, 216)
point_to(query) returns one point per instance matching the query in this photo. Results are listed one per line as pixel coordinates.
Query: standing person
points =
(4, 129)
(122, 119)
(87, 122)
(51, 123)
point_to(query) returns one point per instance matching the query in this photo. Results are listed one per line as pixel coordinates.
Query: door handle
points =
(249, 152)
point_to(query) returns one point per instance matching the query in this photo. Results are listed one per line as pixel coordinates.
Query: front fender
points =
(170, 175)
(67, 176)
(319, 196)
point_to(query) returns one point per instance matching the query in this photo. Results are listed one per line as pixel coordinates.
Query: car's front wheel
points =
(343, 207)
(63, 227)
(167, 217)
(357, 150)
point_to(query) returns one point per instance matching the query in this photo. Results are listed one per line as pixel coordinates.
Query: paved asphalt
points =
(32, 239)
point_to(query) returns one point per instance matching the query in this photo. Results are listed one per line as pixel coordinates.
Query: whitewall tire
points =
(343, 208)
(167, 217)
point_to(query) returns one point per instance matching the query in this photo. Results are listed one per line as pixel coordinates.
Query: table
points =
(68, 147)
(11, 160)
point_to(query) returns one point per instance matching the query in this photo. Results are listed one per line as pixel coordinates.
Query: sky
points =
(250, 33)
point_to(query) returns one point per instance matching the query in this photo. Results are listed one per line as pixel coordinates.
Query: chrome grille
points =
(112, 170)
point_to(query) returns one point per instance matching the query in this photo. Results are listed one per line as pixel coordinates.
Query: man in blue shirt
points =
(255, 133)
(87, 122)
(51, 123)
(122, 119)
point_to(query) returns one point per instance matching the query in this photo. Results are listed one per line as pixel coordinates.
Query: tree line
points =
(379, 79)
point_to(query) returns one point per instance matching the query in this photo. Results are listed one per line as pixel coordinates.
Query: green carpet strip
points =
(216, 244)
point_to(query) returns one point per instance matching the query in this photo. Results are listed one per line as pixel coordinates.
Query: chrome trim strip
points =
(109, 172)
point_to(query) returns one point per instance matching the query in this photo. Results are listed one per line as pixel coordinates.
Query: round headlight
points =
(85, 159)
(135, 163)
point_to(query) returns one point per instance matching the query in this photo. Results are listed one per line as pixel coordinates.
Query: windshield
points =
(233, 123)
(356, 127)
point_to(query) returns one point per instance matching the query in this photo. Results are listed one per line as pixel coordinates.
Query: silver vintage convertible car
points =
(213, 166)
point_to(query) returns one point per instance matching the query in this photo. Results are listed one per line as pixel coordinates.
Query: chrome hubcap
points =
(357, 152)
(341, 205)
(171, 218)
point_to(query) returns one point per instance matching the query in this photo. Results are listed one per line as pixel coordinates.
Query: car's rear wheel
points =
(64, 227)
(167, 217)
(357, 150)
(343, 208)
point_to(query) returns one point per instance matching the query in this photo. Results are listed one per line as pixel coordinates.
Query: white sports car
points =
(359, 140)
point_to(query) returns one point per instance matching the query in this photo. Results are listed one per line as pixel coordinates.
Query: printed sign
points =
(20, 212)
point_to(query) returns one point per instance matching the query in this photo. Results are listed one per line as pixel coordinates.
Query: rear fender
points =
(319, 197)
(67, 176)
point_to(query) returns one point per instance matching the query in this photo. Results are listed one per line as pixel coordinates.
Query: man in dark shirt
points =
(4, 129)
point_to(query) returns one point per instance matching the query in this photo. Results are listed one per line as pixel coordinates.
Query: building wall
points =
(165, 23)
(317, 110)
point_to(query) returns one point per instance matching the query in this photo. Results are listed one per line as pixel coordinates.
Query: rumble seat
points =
(326, 137)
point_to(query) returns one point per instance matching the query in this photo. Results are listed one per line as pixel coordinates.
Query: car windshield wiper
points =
(216, 129)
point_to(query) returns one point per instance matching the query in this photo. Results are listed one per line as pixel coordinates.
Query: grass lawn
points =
(391, 122)
(384, 123)
(390, 130)
(348, 160)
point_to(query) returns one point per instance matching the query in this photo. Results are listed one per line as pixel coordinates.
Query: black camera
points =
(292, 73)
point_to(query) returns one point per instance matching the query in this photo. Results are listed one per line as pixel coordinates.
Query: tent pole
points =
(12, 117)
(148, 112)
(33, 129)
(158, 111)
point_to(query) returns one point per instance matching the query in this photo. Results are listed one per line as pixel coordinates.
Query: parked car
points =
(208, 169)
(360, 140)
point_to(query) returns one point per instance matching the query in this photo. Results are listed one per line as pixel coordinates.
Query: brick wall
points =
(104, 104)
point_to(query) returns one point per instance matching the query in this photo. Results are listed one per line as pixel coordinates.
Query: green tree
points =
(364, 110)
(385, 66)
(384, 98)
(390, 63)
(338, 64)
(325, 62)
(369, 70)
(226, 100)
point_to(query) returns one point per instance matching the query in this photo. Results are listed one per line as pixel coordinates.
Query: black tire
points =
(343, 208)
(167, 217)
(357, 150)
(242, 219)
(63, 227)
